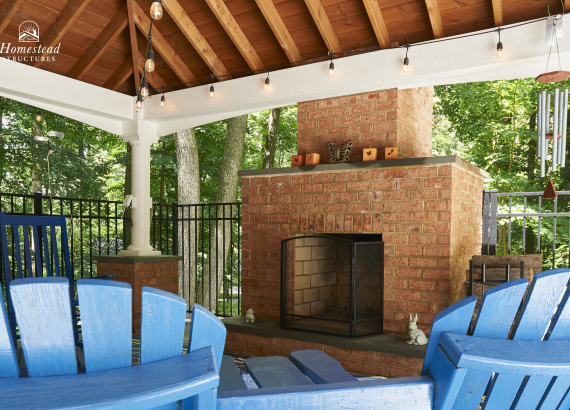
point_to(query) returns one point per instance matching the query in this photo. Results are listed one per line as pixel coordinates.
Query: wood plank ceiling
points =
(103, 42)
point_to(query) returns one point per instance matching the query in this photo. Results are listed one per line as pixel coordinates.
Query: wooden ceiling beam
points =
(120, 75)
(7, 11)
(100, 44)
(378, 23)
(498, 13)
(236, 34)
(133, 38)
(153, 78)
(189, 29)
(324, 25)
(161, 45)
(278, 27)
(435, 18)
(58, 28)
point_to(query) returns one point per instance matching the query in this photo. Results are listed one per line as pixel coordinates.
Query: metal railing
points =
(98, 227)
(531, 217)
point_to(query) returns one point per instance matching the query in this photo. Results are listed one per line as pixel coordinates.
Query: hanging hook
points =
(550, 15)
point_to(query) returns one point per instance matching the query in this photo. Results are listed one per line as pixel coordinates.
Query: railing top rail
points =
(202, 205)
(534, 214)
(526, 193)
(62, 198)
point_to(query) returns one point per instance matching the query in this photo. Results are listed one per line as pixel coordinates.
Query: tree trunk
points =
(227, 193)
(531, 158)
(188, 193)
(271, 138)
(128, 171)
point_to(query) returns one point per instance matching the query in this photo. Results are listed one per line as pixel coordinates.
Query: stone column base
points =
(160, 272)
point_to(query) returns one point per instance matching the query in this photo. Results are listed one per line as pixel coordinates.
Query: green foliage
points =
(492, 124)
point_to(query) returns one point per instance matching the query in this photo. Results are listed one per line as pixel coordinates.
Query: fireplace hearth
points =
(333, 284)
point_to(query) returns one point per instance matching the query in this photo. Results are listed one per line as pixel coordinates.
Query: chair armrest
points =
(545, 358)
(135, 387)
(404, 393)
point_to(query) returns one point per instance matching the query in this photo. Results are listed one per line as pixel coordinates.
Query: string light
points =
(162, 100)
(331, 65)
(144, 88)
(212, 87)
(139, 103)
(499, 45)
(267, 80)
(406, 60)
(149, 63)
(39, 116)
(156, 9)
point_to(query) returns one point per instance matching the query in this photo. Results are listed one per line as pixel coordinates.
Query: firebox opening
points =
(333, 284)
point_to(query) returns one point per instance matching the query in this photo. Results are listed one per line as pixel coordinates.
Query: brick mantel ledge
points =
(353, 166)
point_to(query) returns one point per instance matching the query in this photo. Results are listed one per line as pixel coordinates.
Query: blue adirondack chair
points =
(164, 377)
(525, 365)
(45, 262)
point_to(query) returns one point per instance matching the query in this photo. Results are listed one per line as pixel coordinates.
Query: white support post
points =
(140, 214)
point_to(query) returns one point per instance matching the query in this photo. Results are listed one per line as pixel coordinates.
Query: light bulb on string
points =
(406, 60)
(331, 65)
(156, 10)
(162, 100)
(149, 63)
(39, 116)
(144, 88)
(212, 87)
(499, 45)
(139, 103)
(267, 81)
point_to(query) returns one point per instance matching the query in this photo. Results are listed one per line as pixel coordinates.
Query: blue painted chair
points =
(45, 262)
(518, 358)
(163, 378)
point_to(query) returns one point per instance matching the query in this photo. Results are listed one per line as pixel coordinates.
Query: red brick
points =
(375, 369)
(362, 356)
(403, 372)
(337, 352)
(422, 285)
(390, 360)
(350, 365)
(335, 187)
(362, 108)
(395, 173)
(323, 177)
(352, 99)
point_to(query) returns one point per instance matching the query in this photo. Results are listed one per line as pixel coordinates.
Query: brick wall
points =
(352, 360)
(429, 216)
(160, 275)
(400, 118)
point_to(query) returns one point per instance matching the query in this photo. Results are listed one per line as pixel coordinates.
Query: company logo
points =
(29, 32)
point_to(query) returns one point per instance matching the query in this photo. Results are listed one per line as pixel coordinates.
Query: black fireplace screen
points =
(333, 284)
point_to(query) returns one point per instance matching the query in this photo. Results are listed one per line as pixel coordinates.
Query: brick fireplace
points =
(427, 209)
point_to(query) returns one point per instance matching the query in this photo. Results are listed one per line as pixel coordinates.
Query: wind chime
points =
(558, 119)
(559, 101)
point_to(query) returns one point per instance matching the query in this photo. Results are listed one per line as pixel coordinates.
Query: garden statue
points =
(249, 317)
(417, 336)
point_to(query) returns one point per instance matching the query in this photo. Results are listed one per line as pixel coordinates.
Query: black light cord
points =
(347, 53)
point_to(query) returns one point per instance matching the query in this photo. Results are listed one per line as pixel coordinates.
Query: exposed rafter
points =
(195, 38)
(324, 25)
(133, 38)
(100, 44)
(378, 23)
(498, 12)
(229, 24)
(153, 78)
(7, 11)
(161, 45)
(278, 27)
(435, 18)
(58, 28)
(120, 75)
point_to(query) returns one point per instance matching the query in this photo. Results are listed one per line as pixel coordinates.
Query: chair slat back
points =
(163, 319)
(8, 361)
(43, 311)
(537, 310)
(207, 330)
(24, 268)
(106, 323)
(456, 319)
(495, 319)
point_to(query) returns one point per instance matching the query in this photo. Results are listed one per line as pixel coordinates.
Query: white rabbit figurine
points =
(417, 337)
(249, 317)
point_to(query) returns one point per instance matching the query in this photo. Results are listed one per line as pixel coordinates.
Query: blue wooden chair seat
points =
(47, 260)
(520, 366)
(43, 313)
